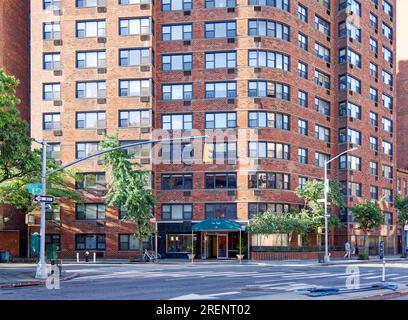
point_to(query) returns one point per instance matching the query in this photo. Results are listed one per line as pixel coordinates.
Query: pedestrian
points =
(347, 248)
(356, 249)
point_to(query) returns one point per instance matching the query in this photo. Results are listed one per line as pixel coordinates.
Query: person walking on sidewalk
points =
(347, 248)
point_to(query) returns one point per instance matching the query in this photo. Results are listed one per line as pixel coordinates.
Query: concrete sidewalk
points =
(11, 277)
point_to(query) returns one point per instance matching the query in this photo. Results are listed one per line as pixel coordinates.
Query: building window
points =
(135, 88)
(320, 159)
(260, 119)
(346, 55)
(134, 26)
(302, 70)
(347, 135)
(302, 127)
(347, 162)
(138, 152)
(302, 155)
(90, 120)
(322, 25)
(374, 168)
(175, 5)
(373, 46)
(322, 106)
(387, 102)
(176, 32)
(51, 121)
(387, 195)
(217, 90)
(302, 41)
(220, 120)
(178, 243)
(90, 242)
(271, 59)
(87, 29)
(387, 172)
(85, 149)
(223, 152)
(126, 2)
(91, 90)
(322, 52)
(221, 211)
(51, 31)
(53, 239)
(182, 91)
(177, 182)
(181, 152)
(374, 192)
(226, 29)
(52, 61)
(387, 78)
(256, 208)
(90, 211)
(280, 4)
(387, 124)
(268, 180)
(302, 13)
(268, 28)
(54, 151)
(86, 181)
(387, 54)
(374, 21)
(374, 119)
(322, 133)
(374, 143)
(270, 150)
(128, 242)
(53, 213)
(259, 88)
(134, 57)
(91, 59)
(374, 95)
(302, 182)
(322, 79)
(303, 99)
(220, 180)
(87, 3)
(347, 82)
(387, 148)
(51, 91)
(177, 122)
(218, 60)
(51, 4)
(387, 31)
(177, 212)
(177, 62)
(134, 119)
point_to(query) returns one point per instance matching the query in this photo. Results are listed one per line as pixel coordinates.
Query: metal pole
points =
(155, 240)
(240, 246)
(326, 222)
(192, 246)
(42, 267)
(383, 269)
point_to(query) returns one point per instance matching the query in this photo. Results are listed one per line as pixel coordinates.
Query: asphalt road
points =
(218, 280)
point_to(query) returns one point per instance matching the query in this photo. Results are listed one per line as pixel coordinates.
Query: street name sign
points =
(46, 199)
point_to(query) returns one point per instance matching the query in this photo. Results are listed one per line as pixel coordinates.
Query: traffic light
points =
(29, 219)
(208, 153)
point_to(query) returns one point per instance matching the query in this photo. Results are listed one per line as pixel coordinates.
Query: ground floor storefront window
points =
(177, 243)
(90, 242)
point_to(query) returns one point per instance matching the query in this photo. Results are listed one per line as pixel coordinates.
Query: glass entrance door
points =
(222, 246)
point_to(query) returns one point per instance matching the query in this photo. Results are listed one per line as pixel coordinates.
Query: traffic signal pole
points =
(42, 266)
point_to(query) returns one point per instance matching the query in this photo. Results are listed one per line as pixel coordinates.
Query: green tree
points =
(401, 203)
(19, 164)
(128, 189)
(270, 222)
(16, 158)
(369, 216)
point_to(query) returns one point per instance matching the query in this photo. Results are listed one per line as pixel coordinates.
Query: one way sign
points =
(46, 199)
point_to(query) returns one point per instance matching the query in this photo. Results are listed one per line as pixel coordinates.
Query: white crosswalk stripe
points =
(398, 278)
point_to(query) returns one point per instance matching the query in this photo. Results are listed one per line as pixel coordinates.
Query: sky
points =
(402, 30)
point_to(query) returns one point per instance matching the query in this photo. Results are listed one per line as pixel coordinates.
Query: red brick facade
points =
(15, 60)
(199, 196)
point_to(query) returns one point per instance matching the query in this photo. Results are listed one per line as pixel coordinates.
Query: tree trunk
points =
(140, 247)
(364, 241)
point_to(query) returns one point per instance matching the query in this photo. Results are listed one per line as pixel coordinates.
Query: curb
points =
(386, 296)
(33, 283)
(361, 261)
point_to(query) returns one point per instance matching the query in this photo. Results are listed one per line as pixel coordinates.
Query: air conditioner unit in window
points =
(57, 132)
(145, 161)
(144, 99)
(232, 193)
(257, 70)
(102, 10)
(102, 70)
(57, 73)
(101, 101)
(58, 42)
(257, 39)
(101, 40)
(231, 40)
(101, 131)
(231, 70)
(231, 101)
(145, 6)
(145, 37)
(257, 8)
(144, 68)
(57, 103)
(57, 12)
(187, 193)
(144, 130)
(187, 73)
(230, 9)
(187, 42)
(187, 13)
(100, 162)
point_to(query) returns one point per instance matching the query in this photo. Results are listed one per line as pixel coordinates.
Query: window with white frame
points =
(225, 29)
(135, 88)
(217, 60)
(216, 90)
(135, 57)
(90, 120)
(88, 29)
(182, 91)
(176, 32)
(134, 26)
(91, 89)
(51, 31)
(90, 59)
(177, 62)
(182, 121)
(134, 119)
(220, 120)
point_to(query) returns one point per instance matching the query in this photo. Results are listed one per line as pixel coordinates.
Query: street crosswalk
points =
(275, 280)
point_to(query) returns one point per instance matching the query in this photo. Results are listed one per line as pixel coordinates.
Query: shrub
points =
(363, 256)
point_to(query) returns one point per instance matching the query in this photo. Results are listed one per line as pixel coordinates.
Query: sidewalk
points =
(23, 277)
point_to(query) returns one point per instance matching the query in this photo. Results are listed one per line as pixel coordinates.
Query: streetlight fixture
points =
(326, 216)
(41, 272)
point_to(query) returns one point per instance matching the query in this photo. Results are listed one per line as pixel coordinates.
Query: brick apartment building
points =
(294, 82)
(15, 60)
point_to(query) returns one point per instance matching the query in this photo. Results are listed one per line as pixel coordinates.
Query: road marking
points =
(380, 276)
(397, 278)
(194, 296)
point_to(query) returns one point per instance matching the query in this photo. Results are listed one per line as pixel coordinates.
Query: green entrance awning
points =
(217, 225)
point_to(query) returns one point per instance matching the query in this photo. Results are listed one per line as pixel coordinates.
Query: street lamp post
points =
(42, 266)
(326, 216)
